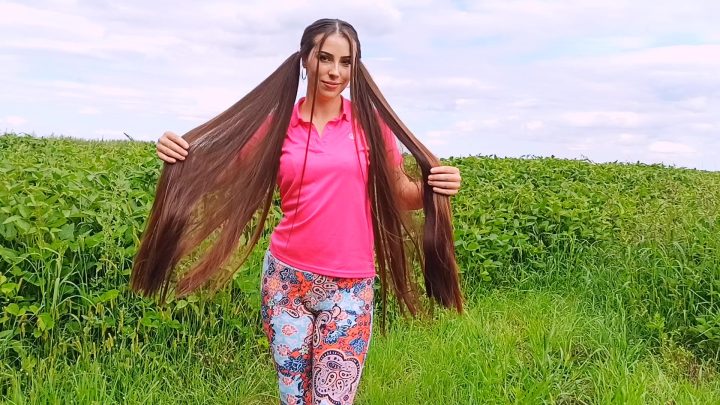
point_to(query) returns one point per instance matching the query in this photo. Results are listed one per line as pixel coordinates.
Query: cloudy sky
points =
(606, 80)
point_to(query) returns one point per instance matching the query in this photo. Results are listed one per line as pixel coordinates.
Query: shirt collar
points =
(296, 118)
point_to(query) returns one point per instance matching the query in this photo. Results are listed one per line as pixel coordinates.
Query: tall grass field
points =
(585, 284)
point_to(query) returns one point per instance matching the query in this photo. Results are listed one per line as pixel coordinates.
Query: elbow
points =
(411, 198)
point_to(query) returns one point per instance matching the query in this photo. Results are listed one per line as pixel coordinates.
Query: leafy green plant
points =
(643, 240)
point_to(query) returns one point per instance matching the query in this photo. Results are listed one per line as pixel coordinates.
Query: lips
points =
(331, 85)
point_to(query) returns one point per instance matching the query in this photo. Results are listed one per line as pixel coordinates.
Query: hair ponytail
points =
(437, 256)
(215, 192)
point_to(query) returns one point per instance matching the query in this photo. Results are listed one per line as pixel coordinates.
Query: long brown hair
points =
(224, 190)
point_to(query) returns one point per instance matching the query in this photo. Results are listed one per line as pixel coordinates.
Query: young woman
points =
(343, 193)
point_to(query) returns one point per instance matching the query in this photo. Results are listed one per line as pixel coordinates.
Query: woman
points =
(343, 192)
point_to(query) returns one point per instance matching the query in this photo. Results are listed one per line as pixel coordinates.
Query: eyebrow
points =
(331, 55)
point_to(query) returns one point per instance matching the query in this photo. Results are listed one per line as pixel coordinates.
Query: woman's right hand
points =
(171, 148)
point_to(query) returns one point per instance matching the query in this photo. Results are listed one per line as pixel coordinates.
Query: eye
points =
(346, 62)
(324, 58)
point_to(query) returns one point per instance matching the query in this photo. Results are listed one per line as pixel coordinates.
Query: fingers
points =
(445, 173)
(445, 177)
(177, 139)
(451, 185)
(445, 180)
(171, 147)
(444, 191)
(168, 154)
(444, 170)
(445, 187)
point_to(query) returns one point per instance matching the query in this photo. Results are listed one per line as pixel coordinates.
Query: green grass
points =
(586, 284)
(510, 347)
(222, 371)
(526, 347)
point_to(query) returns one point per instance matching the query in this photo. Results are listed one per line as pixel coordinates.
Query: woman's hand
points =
(445, 180)
(171, 148)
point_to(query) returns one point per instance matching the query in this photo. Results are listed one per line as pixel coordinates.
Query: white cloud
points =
(13, 120)
(108, 134)
(436, 142)
(705, 55)
(705, 126)
(84, 90)
(621, 119)
(526, 103)
(628, 138)
(534, 125)
(609, 79)
(581, 146)
(699, 104)
(672, 148)
(89, 111)
(17, 16)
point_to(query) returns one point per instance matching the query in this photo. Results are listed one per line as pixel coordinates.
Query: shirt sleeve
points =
(249, 147)
(254, 141)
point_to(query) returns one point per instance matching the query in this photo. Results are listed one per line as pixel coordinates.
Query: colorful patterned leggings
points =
(319, 329)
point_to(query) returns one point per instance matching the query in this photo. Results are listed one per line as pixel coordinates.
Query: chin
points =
(329, 95)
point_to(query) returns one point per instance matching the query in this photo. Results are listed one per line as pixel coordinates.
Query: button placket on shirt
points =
(316, 142)
(330, 127)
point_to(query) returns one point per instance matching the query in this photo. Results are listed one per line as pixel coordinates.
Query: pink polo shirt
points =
(328, 230)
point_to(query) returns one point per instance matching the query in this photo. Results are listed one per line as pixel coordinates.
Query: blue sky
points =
(605, 80)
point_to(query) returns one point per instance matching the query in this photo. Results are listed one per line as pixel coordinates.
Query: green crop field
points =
(585, 284)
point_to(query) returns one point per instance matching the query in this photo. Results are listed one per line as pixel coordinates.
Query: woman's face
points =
(333, 71)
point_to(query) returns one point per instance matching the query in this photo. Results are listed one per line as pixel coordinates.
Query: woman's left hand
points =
(445, 180)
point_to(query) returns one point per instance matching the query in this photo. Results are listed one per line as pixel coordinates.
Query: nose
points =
(334, 70)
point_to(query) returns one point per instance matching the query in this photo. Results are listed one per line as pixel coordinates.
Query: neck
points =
(325, 109)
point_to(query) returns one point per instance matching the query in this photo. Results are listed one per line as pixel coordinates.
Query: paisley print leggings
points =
(319, 329)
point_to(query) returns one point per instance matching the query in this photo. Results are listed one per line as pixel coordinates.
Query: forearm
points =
(411, 195)
(444, 180)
